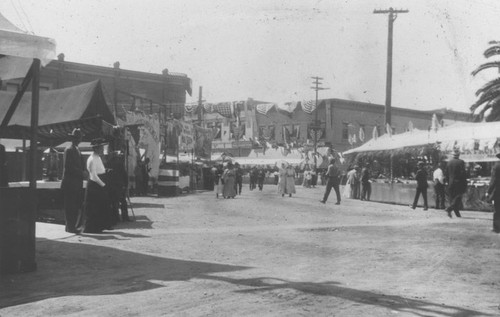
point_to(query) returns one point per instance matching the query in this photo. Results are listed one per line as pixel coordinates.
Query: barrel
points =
(168, 181)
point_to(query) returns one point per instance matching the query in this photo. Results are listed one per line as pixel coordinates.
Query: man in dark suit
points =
(457, 183)
(72, 181)
(332, 175)
(4, 181)
(493, 194)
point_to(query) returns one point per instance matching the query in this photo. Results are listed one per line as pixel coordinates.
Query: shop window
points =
(345, 131)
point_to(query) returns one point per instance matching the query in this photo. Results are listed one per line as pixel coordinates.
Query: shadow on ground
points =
(67, 269)
(334, 289)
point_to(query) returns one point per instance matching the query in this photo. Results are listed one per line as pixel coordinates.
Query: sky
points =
(269, 50)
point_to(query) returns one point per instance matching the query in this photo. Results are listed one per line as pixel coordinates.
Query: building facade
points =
(341, 124)
(123, 89)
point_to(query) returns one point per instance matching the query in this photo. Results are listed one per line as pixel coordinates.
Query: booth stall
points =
(393, 160)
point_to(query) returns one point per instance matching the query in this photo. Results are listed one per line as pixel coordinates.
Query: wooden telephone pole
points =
(393, 14)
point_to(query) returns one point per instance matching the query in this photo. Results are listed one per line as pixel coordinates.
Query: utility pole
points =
(316, 127)
(393, 14)
(200, 107)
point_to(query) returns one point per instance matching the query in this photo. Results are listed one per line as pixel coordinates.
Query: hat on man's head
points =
(98, 142)
(76, 133)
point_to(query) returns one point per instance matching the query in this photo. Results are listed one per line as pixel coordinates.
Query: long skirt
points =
(219, 187)
(290, 185)
(97, 215)
(228, 190)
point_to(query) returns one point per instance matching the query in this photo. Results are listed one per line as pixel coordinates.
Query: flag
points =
(410, 126)
(308, 106)
(225, 109)
(434, 123)
(264, 108)
(375, 133)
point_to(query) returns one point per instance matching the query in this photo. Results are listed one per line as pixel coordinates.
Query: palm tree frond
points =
(485, 66)
(492, 51)
(494, 84)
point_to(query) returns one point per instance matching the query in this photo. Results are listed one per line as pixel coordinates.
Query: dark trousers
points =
(455, 200)
(366, 191)
(238, 185)
(332, 182)
(261, 183)
(252, 183)
(496, 215)
(73, 200)
(422, 191)
(440, 195)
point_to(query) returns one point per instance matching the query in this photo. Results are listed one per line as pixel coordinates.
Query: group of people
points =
(228, 181)
(358, 184)
(105, 194)
(286, 180)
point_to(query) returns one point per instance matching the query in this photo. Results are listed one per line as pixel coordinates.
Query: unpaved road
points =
(265, 255)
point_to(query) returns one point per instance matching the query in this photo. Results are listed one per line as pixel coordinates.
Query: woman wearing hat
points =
(97, 204)
(229, 181)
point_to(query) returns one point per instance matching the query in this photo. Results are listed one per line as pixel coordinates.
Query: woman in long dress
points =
(229, 180)
(218, 181)
(97, 216)
(290, 180)
(282, 179)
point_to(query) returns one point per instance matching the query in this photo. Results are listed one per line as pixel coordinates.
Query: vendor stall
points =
(393, 159)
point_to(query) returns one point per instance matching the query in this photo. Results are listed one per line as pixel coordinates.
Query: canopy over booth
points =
(61, 110)
(476, 141)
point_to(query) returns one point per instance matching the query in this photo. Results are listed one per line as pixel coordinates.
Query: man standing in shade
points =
(72, 181)
(493, 194)
(332, 180)
(457, 183)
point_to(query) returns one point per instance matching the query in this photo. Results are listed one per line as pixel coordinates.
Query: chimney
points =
(165, 72)
(116, 65)
(60, 57)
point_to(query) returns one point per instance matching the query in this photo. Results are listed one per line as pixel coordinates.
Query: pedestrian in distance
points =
(218, 181)
(493, 194)
(238, 179)
(457, 183)
(290, 180)
(422, 185)
(332, 181)
(314, 177)
(439, 185)
(261, 176)
(366, 186)
(229, 178)
(282, 179)
(118, 185)
(253, 177)
(72, 182)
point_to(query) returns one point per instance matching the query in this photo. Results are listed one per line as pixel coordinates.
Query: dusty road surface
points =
(261, 254)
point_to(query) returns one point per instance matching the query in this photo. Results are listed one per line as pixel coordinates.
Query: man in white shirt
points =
(439, 186)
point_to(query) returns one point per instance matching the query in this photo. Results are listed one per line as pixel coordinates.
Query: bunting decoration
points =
(308, 106)
(264, 108)
(225, 109)
(208, 107)
(190, 108)
(362, 134)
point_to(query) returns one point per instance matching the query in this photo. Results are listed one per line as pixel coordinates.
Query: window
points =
(362, 133)
(271, 129)
(218, 129)
(296, 131)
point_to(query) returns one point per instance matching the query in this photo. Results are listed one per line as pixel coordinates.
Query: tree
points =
(488, 95)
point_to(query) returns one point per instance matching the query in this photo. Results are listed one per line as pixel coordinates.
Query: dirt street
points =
(261, 254)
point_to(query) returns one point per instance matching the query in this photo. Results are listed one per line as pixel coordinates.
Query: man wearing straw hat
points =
(72, 181)
(457, 183)
(493, 194)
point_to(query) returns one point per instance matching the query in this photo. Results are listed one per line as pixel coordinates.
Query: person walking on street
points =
(290, 180)
(239, 178)
(421, 178)
(218, 181)
(493, 194)
(229, 179)
(282, 179)
(366, 186)
(457, 183)
(439, 189)
(332, 175)
(72, 182)
(261, 176)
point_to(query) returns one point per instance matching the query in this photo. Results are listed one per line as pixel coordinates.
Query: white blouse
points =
(95, 167)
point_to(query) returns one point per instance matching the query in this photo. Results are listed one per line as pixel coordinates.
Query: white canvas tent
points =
(476, 140)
